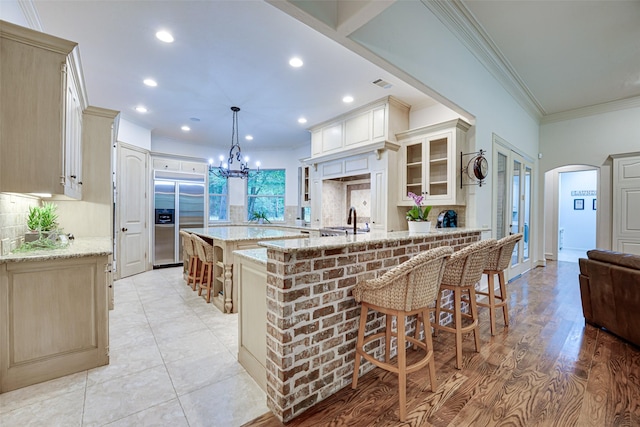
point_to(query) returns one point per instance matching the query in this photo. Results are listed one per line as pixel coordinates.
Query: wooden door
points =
(132, 208)
(626, 205)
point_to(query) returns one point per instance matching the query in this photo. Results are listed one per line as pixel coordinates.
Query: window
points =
(265, 193)
(218, 200)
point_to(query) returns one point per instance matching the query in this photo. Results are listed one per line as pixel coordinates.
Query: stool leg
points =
(429, 343)
(503, 297)
(387, 340)
(359, 345)
(201, 278)
(457, 309)
(492, 303)
(436, 321)
(416, 334)
(474, 316)
(209, 281)
(402, 366)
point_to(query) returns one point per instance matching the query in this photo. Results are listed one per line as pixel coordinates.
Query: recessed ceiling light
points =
(141, 109)
(249, 137)
(296, 62)
(150, 82)
(185, 128)
(347, 99)
(302, 120)
(164, 36)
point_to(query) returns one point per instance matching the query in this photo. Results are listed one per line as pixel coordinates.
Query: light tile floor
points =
(173, 362)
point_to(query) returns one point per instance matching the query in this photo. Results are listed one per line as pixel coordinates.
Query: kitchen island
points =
(311, 316)
(225, 240)
(54, 317)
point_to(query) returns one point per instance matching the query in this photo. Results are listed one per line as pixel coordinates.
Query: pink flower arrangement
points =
(417, 213)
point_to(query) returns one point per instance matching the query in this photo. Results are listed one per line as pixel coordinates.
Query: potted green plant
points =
(41, 221)
(417, 215)
(260, 217)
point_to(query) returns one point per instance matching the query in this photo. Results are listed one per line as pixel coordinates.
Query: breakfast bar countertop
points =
(238, 234)
(331, 242)
(78, 248)
(257, 255)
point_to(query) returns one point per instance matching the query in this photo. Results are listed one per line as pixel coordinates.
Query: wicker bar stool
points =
(192, 262)
(406, 290)
(497, 263)
(205, 254)
(462, 272)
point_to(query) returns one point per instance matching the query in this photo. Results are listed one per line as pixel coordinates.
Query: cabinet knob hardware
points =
(73, 176)
(124, 229)
(80, 182)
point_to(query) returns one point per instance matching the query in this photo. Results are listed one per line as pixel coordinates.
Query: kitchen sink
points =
(339, 231)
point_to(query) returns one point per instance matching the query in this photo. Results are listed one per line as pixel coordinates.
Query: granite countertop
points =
(77, 248)
(275, 225)
(331, 242)
(240, 233)
(258, 255)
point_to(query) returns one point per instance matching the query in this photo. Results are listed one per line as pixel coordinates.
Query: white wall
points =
(409, 36)
(579, 225)
(589, 141)
(288, 159)
(426, 116)
(133, 134)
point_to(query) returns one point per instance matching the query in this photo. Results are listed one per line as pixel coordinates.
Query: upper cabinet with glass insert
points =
(430, 163)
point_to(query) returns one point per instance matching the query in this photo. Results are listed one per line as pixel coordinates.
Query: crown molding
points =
(462, 23)
(30, 14)
(591, 110)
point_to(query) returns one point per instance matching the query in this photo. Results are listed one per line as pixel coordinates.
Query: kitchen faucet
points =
(355, 226)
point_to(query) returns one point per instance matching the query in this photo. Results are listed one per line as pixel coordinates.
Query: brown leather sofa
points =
(610, 290)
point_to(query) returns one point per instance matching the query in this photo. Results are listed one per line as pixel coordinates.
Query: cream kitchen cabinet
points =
(54, 318)
(430, 163)
(171, 164)
(41, 113)
(356, 131)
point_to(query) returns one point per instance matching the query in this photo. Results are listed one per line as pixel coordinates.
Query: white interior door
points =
(132, 205)
(626, 205)
(513, 178)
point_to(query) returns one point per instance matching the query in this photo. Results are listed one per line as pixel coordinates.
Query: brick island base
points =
(312, 317)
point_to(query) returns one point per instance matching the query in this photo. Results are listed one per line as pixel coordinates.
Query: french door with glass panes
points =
(513, 177)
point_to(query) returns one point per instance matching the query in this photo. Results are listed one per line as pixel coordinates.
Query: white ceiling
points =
(570, 53)
(565, 54)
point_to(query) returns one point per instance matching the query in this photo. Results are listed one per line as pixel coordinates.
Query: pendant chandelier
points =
(226, 170)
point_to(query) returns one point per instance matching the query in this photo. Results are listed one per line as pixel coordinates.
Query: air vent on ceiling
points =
(382, 84)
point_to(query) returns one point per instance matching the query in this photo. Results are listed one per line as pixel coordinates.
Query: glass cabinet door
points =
(438, 167)
(413, 170)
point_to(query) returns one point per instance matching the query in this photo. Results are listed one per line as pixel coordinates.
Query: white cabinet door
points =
(73, 141)
(413, 170)
(626, 205)
(378, 200)
(166, 164)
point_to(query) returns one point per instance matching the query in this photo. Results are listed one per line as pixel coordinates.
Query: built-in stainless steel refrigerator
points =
(179, 202)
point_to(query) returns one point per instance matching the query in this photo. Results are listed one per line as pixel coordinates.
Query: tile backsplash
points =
(14, 209)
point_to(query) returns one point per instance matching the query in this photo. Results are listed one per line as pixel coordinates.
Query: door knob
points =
(124, 229)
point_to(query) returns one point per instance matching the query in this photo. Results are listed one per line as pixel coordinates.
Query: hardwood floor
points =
(547, 369)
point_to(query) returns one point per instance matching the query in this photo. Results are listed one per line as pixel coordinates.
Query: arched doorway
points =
(571, 200)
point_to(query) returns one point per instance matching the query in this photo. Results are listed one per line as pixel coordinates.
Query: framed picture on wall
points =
(594, 204)
(578, 204)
